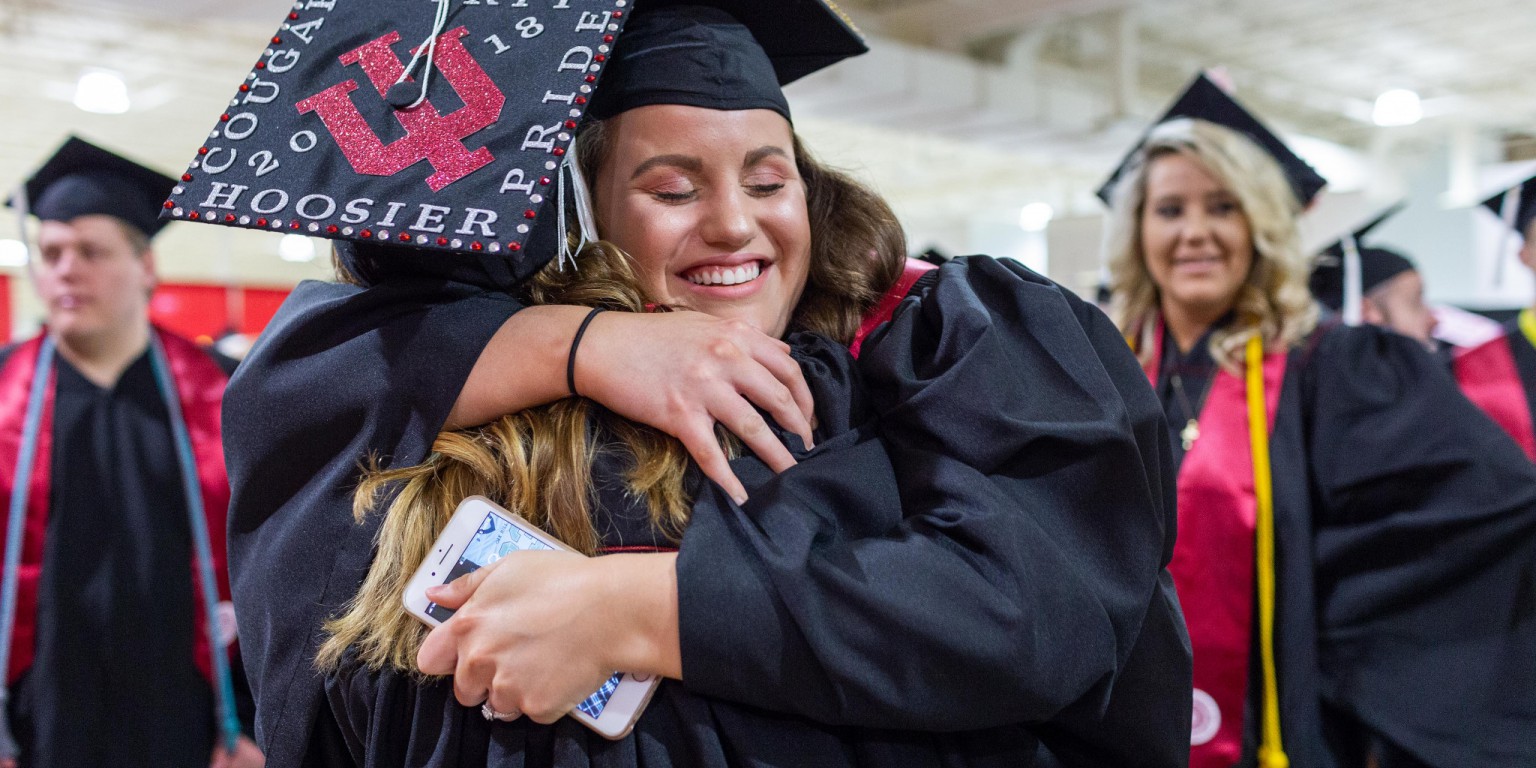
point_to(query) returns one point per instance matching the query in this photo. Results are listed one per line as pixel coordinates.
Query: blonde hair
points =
(538, 462)
(1274, 301)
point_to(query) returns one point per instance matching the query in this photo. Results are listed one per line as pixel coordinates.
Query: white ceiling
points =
(964, 111)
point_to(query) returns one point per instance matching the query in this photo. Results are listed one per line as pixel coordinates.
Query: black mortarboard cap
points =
(1336, 249)
(1205, 100)
(1525, 211)
(81, 179)
(320, 139)
(733, 56)
(1377, 265)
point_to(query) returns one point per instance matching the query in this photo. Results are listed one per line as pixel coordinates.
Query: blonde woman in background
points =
(1356, 577)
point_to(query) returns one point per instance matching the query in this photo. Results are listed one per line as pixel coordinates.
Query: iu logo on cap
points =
(430, 136)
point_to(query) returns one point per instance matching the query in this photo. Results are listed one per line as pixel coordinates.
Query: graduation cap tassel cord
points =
(566, 252)
(1352, 281)
(430, 47)
(1510, 213)
(581, 198)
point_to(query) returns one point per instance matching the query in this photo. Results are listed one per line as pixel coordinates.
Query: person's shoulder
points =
(224, 363)
(991, 271)
(984, 275)
(1337, 340)
(9, 350)
(1368, 359)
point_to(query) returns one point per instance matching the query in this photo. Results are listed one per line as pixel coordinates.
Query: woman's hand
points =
(537, 632)
(680, 372)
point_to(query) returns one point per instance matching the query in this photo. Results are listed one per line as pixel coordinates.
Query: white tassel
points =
(1352, 281)
(586, 219)
(430, 47)
(1510, 213)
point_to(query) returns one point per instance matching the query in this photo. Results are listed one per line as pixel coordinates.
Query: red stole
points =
(882, 312)
(1214, 557)
(1490, 379)
(199, 388)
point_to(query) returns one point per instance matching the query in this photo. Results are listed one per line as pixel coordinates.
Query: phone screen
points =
(496, 537)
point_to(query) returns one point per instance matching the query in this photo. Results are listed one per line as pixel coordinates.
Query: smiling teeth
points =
(745, 273)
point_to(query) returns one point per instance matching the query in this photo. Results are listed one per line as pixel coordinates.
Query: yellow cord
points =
(1528, 325)
(1271, 752)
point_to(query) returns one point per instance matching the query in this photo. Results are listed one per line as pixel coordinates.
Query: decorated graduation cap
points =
(1205, 100)
(444, 128)
(82, 179)
(1347, 269)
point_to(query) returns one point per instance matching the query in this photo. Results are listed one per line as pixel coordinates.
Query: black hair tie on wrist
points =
(570, 364)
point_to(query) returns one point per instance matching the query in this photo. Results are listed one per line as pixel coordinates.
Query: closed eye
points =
(764, 190)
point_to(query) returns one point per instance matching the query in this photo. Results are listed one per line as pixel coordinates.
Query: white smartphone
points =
(482, 532)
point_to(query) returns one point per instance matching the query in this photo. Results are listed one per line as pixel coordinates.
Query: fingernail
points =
(738, 499)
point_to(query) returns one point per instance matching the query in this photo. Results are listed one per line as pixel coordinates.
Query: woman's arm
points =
(1008, 568)
(680, 372)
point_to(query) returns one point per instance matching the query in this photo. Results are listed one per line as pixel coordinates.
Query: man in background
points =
(117, 651)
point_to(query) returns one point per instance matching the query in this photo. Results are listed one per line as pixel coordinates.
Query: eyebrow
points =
(761, 153)
(695, 165)
(685, 162)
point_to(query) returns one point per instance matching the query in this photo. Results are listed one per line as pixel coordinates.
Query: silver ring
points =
(491, 714)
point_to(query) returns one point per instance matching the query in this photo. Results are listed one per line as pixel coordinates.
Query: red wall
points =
(206, 312)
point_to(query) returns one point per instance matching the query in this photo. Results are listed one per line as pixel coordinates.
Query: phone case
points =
(487, 542)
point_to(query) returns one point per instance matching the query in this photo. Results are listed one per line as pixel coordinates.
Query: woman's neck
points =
(1188, 324)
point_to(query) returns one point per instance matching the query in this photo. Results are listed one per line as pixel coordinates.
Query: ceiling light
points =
(1035, 216)
(296, 248)
(13, 253)
(1398, 106)
(102, 92)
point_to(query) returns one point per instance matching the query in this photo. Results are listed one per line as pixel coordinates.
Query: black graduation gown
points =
(113, 680)
(1406, 557)
(1040, 629)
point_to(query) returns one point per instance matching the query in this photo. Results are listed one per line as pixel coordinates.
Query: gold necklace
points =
(1191, 431)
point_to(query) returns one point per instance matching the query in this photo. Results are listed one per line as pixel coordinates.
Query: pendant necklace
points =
(1191, 431)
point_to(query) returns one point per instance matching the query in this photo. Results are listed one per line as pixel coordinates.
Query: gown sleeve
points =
(1426, 554)
(992, 553)
(341, 375)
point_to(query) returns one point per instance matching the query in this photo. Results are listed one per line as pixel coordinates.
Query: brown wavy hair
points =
(1274, 301)
(538, 462)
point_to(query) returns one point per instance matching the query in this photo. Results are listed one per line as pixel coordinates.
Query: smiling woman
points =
(713, 210)
(1322, 471)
